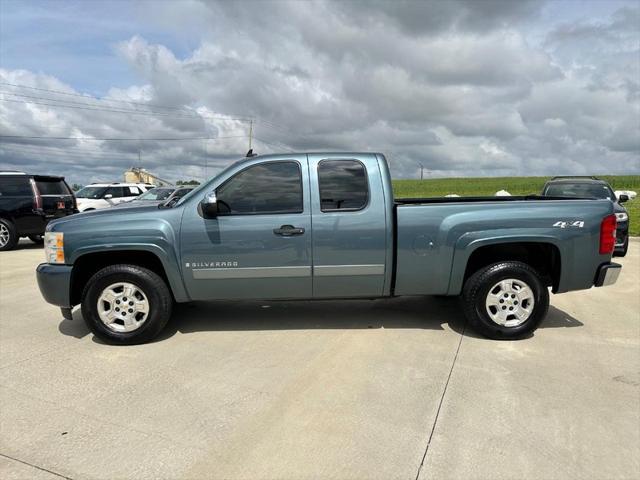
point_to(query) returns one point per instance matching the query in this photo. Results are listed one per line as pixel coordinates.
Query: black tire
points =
(477, 288)
(8, 228)
(150, 283)
(37, 239)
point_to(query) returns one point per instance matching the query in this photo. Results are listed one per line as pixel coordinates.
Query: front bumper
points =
(607, 274)
(55, 283)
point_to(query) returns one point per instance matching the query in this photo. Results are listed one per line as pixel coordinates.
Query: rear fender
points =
(468, 243)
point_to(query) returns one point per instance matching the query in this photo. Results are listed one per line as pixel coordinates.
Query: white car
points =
(105, 195)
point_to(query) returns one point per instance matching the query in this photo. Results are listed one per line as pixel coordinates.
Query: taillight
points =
(608, 234)
(37, 198)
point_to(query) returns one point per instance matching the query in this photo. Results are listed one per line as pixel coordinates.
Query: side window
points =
(274, 187)
(132, 191)
(181, 192)
(343, 185)
(15, 187)
(116, 192)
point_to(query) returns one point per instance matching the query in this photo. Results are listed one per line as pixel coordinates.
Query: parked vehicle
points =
(28, 203)
(105, 195)
(593, 187)
(318, 226)
(158, 195)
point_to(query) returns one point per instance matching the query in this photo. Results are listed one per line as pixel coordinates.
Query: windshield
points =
(91, 192)
(584, 190)
(156, 194)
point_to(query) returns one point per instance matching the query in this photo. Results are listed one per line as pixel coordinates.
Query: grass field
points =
(439, 187)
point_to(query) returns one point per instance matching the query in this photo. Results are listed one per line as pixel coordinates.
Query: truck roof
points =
(578, 179)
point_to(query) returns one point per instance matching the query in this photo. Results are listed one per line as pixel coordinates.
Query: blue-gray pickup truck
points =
(322, 226)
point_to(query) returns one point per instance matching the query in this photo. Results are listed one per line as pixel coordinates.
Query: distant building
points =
(141, 175)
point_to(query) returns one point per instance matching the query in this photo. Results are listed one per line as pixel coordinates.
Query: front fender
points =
(128, 229)
(166, 256)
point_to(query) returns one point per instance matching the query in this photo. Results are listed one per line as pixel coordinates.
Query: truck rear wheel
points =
(506, 300)
(126, 304)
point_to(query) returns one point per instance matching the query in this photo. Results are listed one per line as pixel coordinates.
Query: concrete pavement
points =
(367, 389)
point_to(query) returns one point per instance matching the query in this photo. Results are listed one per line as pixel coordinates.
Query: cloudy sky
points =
(466, 88)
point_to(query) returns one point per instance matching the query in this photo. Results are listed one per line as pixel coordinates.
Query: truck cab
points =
(268, 231)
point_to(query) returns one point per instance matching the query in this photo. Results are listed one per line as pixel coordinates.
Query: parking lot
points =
(366, 389)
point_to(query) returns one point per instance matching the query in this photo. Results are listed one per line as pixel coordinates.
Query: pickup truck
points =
(324, 226)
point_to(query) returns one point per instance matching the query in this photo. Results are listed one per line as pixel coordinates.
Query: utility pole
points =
(250, 131)
(421, 171)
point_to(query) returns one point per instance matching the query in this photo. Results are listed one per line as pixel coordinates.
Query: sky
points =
(463, 88)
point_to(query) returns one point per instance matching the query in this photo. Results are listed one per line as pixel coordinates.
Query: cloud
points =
(456, 86)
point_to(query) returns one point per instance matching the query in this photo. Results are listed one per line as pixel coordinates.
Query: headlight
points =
(622, 217)
(54, 247)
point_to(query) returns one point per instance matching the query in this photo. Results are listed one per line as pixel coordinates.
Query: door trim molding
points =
(347, 270)
(250, 272)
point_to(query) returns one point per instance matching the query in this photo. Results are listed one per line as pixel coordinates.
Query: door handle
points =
(288, 231)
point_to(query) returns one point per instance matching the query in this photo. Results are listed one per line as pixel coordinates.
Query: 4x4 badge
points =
(576, 224)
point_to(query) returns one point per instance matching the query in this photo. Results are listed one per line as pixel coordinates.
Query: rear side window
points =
(343, 185)
(52, 187)
(15, 187)
(274, 187)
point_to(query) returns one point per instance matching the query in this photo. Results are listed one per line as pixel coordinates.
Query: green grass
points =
(466, 187)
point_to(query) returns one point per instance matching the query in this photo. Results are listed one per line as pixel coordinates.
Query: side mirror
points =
(108, 196)
(623, 198)
(209, 206)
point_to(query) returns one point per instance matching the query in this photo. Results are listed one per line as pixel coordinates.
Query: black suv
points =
(28, 202)
(593, 187)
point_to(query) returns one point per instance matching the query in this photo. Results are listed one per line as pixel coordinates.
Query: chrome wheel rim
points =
(123, 307)
(4, 235)
(510, 302)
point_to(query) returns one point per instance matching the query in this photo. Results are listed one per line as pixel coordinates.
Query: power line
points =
(275, 144)
(114, 110)
(87, 96)
(63, 102)
(67, 150)
(121, 139)
(191, 114)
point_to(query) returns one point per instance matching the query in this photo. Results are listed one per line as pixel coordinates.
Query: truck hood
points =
(107, 214)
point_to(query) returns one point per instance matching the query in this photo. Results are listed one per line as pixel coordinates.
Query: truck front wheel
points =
(126, 304)
(505, 300)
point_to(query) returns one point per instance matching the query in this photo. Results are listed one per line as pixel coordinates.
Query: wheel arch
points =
(544, 255)
(87, 264)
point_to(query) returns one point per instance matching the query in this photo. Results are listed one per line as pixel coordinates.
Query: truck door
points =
(349, 227)
(259, 246)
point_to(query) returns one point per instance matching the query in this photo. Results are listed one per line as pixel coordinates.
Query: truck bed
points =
(436, 236)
